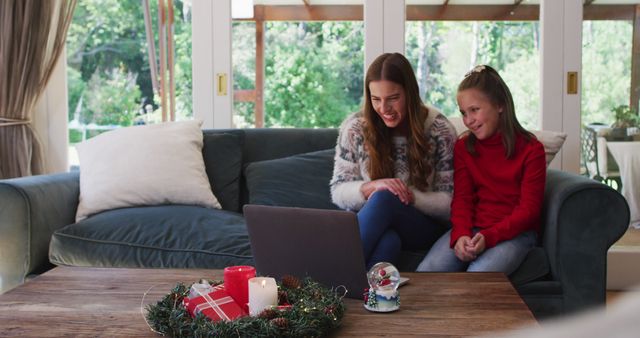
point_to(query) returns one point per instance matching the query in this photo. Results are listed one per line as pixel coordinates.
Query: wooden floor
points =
(623, 262)
(614, 296)
(630, 240)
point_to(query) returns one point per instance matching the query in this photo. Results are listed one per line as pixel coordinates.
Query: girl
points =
(499, 179)
(394, 164)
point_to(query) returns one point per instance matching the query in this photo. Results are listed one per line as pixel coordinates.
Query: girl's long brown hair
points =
(396, 68)
(488, 81)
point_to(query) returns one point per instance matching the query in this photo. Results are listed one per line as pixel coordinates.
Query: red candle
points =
(236, 283)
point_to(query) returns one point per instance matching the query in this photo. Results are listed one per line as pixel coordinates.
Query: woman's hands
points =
(394, 185)
(468, 249)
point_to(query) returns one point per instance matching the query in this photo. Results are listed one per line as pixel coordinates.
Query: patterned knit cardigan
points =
(351, 162)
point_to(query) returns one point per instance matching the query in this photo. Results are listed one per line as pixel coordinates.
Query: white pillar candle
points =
(263, 293)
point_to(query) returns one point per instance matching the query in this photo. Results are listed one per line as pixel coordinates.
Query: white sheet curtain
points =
(32, 37)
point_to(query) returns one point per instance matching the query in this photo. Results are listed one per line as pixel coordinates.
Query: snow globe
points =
(383, 296)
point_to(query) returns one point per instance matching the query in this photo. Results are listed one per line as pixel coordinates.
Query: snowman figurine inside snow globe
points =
(383, 294)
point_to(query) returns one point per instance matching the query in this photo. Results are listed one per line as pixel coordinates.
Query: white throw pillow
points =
(144, 165)
(551, 140)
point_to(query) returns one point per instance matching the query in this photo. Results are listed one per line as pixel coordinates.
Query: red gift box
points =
(217, 305)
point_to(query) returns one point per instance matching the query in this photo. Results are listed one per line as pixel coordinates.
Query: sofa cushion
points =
(534, 267)
(175, 236)
(222, 154)
(261, 144)
(409, 260)
(144, 165)
(295, 181)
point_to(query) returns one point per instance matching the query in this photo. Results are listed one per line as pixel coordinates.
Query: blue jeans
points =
(387, 226)
(504, 257)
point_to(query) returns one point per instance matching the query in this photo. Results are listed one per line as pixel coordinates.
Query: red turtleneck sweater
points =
(501, 196)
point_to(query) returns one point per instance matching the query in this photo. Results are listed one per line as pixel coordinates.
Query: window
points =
(294, 67)
(441, 52)
(606, 68)
(108, 72)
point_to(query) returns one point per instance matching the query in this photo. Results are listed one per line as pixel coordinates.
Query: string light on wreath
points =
(311, 310)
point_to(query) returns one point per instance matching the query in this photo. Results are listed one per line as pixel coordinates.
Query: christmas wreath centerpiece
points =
(305, 308)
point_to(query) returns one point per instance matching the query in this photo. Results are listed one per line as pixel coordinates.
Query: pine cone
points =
(329, 309)
(280, 322)
(268, 314)
(290, 282)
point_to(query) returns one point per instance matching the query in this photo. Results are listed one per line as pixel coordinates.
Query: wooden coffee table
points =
(93, 301)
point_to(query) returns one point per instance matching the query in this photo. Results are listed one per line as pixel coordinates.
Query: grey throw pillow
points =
(295, 181)
(222, 153)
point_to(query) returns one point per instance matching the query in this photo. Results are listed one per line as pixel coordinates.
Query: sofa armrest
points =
(31, 209)
(582, 218)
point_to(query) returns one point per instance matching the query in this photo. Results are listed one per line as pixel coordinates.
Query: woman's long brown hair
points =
(397, 69)
(488, 81)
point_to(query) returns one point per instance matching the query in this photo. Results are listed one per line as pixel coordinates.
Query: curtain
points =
(32, 37)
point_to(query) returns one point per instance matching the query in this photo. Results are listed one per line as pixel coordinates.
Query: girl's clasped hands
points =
(467, 249)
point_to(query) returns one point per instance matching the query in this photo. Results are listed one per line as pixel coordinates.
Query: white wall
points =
(50, 119)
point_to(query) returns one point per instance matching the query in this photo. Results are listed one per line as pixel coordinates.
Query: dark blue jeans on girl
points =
(388, 226)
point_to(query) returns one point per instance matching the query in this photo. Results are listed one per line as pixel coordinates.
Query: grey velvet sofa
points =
(565, 273)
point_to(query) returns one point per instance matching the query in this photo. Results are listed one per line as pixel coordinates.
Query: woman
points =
(394, 164)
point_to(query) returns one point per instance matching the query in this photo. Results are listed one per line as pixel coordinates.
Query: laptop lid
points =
(322, 244)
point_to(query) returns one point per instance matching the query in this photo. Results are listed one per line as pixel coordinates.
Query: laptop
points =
(322, 244)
